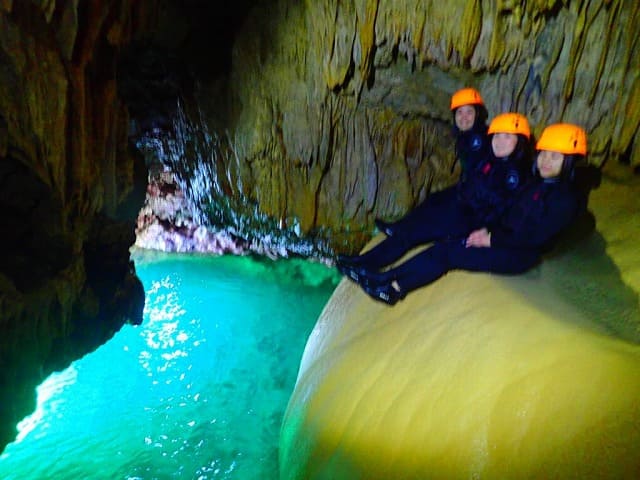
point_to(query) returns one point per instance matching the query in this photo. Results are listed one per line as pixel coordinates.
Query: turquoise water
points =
(196, 392)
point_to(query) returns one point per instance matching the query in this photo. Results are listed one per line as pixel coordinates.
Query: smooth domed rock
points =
(479, 375)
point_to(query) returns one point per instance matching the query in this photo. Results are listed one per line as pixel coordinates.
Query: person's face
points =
(504, 144)
(465, 116)
(549, 163)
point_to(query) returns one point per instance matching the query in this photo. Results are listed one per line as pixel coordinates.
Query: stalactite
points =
(472, 21)
(630, 122)
(396, 63)
(611, 24)
(367, 42)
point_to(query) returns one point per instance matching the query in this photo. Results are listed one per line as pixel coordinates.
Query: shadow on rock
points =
(580, 271)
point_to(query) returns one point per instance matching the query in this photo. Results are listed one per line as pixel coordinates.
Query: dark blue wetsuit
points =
(471, 147)
(478, 201)
(542, 209)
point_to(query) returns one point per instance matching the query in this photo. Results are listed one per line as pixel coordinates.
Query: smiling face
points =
(549, 163)
(504, 144)
(465, 116)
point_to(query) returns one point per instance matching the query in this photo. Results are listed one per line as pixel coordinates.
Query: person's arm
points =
(559, 212)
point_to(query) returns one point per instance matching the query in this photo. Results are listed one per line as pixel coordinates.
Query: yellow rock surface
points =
(481, 376)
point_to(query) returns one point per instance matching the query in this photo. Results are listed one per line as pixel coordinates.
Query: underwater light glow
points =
(50, 389)
(197, 391)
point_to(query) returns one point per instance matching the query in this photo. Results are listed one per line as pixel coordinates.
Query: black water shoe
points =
(355, 273)
(384, 293)
(363, 276)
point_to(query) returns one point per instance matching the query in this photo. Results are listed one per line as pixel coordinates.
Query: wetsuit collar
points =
(551, 180)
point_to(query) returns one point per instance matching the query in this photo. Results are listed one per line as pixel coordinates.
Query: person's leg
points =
(420, 211)
(419, 270)
(508, 261)
(429, 265)
(423, 268)
(440, 222)
(384, 253)
(446, 221)
(437, 221)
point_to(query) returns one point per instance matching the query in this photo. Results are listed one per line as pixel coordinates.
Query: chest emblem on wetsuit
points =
(513, 179)
(476, 142)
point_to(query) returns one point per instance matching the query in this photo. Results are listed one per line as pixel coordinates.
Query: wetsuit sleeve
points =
(538, 231)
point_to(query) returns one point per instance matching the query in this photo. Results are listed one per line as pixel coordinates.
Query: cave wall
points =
(70, 189)
(335, 113)
(295, 120)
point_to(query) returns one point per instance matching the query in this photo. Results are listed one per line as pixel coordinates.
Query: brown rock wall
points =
(330, 114)
(67, 184)
(339, 110)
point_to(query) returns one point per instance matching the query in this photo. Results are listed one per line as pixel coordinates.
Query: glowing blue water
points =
(197, 391)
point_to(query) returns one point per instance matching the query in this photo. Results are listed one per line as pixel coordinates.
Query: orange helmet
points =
(565, 138)
(510, 123)
(466, 96)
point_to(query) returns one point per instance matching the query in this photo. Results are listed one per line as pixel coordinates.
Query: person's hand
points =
(479, 238)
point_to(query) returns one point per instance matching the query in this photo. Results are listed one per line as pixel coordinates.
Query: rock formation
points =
(70, 189)
(483, 376)
(165, 222)
(288, 127)
(349, 100)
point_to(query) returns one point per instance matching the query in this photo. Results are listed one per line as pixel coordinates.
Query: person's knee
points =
(514, 264)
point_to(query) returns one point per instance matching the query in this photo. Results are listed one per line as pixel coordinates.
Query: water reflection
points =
(197, 391)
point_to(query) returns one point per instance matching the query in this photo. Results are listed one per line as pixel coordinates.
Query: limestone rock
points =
(335, 113)
(67, 192)
(482, 376)
(165, 223)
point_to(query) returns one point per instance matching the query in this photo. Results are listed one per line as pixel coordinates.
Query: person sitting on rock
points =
(545, 206)
(471, 145)
(476, 202)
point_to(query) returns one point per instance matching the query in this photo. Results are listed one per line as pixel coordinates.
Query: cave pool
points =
(198, 391)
